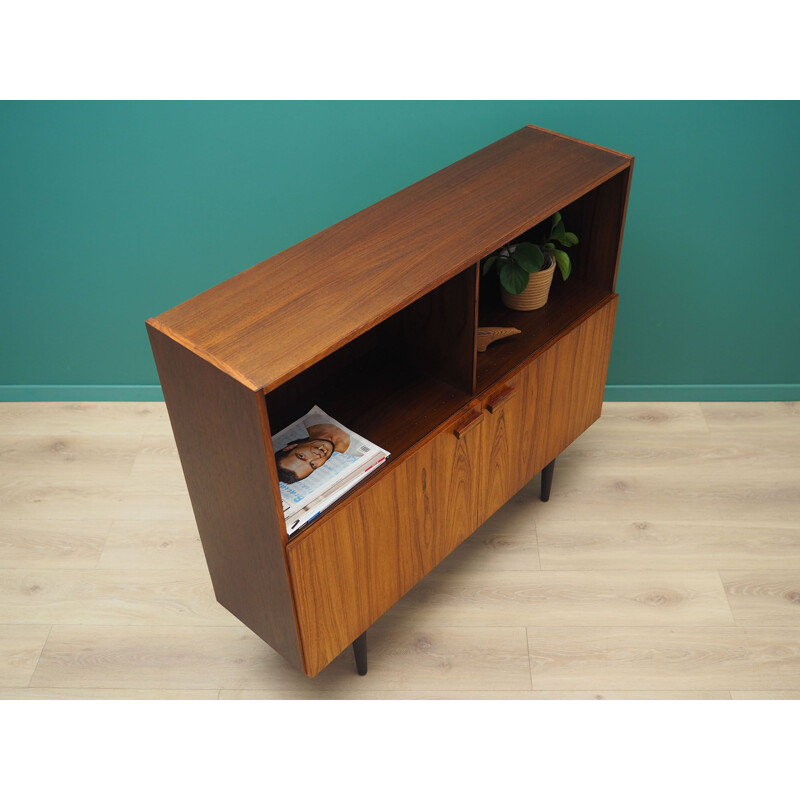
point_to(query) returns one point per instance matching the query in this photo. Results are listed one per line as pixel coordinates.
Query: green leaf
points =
(562, 259)
(554, 222)
(550, 247)
(571, 239)
(529, 257)
(557, 230)
(513, 278)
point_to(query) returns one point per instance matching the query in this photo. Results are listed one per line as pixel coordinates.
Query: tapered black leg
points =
(547, 480)
(360, 652)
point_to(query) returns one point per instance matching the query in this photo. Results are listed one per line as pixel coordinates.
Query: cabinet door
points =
(510, 459)
(543, 408)
(364, 556)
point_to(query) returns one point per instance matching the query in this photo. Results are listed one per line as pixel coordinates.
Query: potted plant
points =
(526, 269)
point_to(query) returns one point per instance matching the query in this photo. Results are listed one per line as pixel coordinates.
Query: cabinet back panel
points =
(434, 336)
(437, 332)
(330, 377)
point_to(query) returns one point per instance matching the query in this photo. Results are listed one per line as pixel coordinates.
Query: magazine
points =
(318, 460)
(296, 521)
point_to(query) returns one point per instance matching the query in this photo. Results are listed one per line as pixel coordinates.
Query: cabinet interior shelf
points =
(569, 301)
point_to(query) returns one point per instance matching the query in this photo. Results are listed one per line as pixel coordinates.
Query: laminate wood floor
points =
(666, 565)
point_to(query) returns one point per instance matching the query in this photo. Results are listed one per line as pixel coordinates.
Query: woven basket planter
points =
(535, 294)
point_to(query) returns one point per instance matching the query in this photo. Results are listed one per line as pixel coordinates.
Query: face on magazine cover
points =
(298, 459)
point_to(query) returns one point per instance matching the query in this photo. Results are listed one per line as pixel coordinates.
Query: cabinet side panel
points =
(221, 434)
(600, 217)
(371, 552)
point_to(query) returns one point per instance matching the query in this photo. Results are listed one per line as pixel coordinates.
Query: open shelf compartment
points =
(596, 217)
(568, 303)
(397, 382)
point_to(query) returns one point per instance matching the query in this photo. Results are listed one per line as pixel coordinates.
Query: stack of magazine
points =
(318, 460)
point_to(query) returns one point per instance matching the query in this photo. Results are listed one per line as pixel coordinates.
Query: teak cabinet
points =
(375, 320)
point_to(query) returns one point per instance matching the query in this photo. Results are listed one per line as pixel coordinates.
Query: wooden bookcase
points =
(374, 320)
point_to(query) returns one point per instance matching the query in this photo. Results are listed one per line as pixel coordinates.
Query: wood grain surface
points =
(20, 648)
(509, 459)
(153, 545)
(548, 598)
(393, 293)
(365, 556)
(40, 544)
(104, 596)
(556, 398)
(507, 540)
(98, 657)
(539, 328)
(640, 539)
(645, 658)
(28, 693)
(477, 694)
(764, 597)
(666, 545)
(384, 257)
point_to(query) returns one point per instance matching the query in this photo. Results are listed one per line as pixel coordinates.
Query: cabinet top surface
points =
(268, 323)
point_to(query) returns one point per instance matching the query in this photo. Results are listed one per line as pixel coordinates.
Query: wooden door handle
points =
(501, 398)
(468, 424)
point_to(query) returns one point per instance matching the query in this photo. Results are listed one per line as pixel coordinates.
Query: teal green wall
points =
(116, 211)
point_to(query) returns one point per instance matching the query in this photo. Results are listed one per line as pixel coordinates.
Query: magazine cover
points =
(296, 519)
(316, 456)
